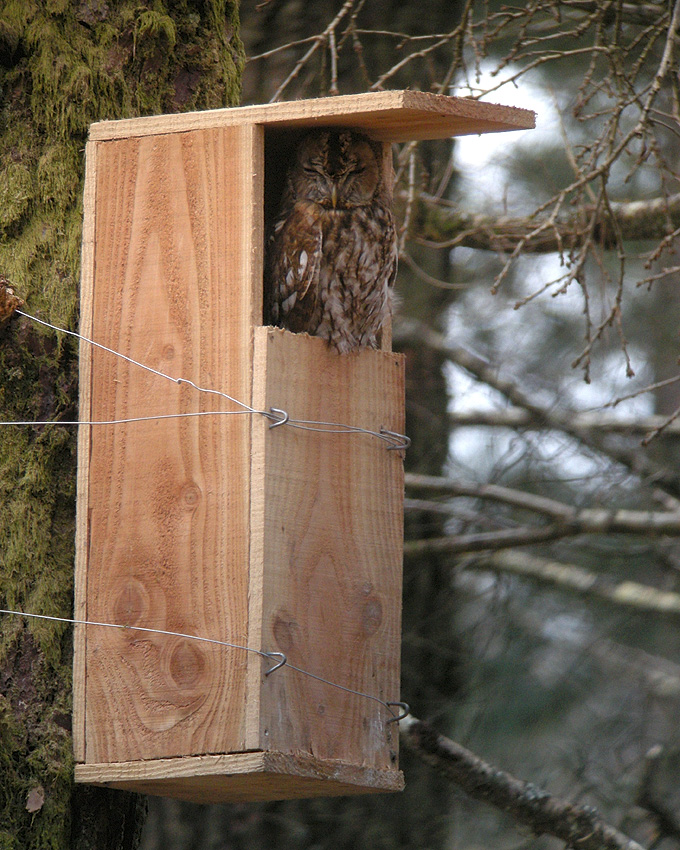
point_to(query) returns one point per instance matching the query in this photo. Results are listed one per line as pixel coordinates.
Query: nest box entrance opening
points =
(328, 206)
(279, 152)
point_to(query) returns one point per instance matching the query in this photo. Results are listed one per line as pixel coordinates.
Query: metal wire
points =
(394, 440)
(280, 658)
(277, 418)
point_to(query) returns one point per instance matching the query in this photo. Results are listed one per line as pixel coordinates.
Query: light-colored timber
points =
(242, 777)
(163, 527)
(330, 506)
(391, 116)
(85, 378)
(208, 521)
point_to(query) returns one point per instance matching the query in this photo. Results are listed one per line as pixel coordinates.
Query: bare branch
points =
(649, 220)
(568, 520)
(632, 13)
(653, 798)
(578, 826)
(516, 417)
(319, 40)
(415, 332)
(454, 36)
(333, 50)
(516, 498)
(487, 541)
(629, 594)
(281, 48)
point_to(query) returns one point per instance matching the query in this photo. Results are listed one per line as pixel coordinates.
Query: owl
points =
(332, 254)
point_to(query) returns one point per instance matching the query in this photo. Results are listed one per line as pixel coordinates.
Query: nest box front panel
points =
(330, 505)
(167, 499)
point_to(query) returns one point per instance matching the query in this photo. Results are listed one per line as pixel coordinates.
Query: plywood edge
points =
(389, 115)
(241, 777)
(256, 558)
(253, 233)
(84, 431)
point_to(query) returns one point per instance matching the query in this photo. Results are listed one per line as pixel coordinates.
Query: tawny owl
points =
(332, 256)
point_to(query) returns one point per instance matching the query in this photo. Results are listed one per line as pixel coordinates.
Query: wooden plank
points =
(177, 256)
(85, 397)
(241, 777)
(392, 116)
(331, 506)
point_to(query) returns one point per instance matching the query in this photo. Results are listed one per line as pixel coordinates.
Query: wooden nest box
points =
(199, 518)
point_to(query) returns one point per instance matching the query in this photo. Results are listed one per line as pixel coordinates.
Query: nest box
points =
(199, 518)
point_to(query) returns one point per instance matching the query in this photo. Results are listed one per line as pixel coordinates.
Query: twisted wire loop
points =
(405, 711)
(278, 417)
(402, 441)
(394, 441)
(282, 660)
(279, 658)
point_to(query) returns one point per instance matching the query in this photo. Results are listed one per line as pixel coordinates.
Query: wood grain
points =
(392, 116)
(331, 508)
(177, 252)
(242, 777)
(276, 539)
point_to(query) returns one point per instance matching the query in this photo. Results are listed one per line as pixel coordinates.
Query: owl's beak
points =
(334, 196)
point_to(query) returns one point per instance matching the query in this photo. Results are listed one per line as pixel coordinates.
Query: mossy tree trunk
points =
(64, 64)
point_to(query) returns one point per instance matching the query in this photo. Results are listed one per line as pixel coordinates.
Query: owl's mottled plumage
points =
(332, 255)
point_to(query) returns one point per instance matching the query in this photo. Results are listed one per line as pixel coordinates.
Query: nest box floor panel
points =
(243, 777)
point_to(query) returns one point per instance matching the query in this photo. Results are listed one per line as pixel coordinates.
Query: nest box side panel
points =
(331, 505)
(164, 523)
(84, 378)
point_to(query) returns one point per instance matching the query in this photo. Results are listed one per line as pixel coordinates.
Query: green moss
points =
(65, 65)
(156, 25)
(34, 751)
(15, 193)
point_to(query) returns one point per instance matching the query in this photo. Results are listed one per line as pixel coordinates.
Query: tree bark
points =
(63, 66)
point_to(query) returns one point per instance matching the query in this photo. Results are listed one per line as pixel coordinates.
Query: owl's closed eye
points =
(332, 254)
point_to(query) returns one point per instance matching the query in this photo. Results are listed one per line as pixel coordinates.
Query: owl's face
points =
(338, 170)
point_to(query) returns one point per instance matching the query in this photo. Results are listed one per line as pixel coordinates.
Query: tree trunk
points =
(62, 66)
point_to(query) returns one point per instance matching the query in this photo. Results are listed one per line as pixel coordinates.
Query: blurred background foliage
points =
(545, 262)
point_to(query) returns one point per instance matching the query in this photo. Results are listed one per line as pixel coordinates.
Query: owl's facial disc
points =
(336, 170)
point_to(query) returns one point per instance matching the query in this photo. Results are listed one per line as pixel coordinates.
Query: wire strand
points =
(138, 363)
(280, 657)
(153, 418)
(393, 439)
(277, 417)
